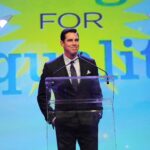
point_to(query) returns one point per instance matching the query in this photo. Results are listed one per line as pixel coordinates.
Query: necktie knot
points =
(72, 62)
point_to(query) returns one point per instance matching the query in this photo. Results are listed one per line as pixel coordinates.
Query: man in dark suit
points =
(80, 123)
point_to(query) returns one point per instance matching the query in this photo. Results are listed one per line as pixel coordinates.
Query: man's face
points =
(70, 44)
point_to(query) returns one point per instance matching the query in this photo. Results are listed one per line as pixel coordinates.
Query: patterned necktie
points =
(73, 74)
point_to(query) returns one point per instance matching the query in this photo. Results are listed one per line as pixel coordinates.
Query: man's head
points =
(70, 42)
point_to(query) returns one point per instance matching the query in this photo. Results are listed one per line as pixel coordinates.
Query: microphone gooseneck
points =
(107, 78)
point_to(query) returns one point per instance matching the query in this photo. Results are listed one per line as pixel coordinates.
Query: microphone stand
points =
(107, 78)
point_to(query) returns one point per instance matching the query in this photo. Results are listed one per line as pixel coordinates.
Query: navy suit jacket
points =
(86, 89)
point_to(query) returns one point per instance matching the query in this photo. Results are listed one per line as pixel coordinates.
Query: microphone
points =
(107, 78)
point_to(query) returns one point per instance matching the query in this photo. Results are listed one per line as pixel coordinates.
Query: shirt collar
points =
(68, 60)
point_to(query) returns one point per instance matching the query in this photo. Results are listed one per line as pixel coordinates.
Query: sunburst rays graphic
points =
(24, 33)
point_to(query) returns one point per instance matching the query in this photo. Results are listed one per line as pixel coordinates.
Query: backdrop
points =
(114, 32)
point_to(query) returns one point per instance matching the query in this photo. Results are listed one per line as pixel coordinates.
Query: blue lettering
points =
(146, 52)
(108, 56)
(129, 62)
(11, 74)
(103, 3)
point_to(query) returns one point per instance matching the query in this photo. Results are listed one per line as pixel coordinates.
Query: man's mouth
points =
(74, 48)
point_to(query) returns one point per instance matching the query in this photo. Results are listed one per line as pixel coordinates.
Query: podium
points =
(91, 103)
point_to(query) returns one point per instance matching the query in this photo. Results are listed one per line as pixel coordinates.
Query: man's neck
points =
(70, 56)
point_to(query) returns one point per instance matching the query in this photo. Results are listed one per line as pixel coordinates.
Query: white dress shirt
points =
(75, 64)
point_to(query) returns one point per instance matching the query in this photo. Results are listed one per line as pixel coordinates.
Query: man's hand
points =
(53, 122)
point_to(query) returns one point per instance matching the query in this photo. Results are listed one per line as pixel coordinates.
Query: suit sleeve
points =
(97, 91)
(44, 96)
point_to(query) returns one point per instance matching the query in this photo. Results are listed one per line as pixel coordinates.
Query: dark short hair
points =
(65, 31)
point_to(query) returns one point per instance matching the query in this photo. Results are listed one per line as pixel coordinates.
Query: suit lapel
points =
(83, 68)
(63, 71)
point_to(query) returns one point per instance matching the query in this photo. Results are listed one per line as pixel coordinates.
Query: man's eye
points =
(69, 40)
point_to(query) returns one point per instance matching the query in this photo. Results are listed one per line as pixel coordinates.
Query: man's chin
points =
(74, 54)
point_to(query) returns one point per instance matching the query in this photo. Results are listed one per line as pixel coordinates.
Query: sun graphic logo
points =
(3, 22)
(106, 29)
